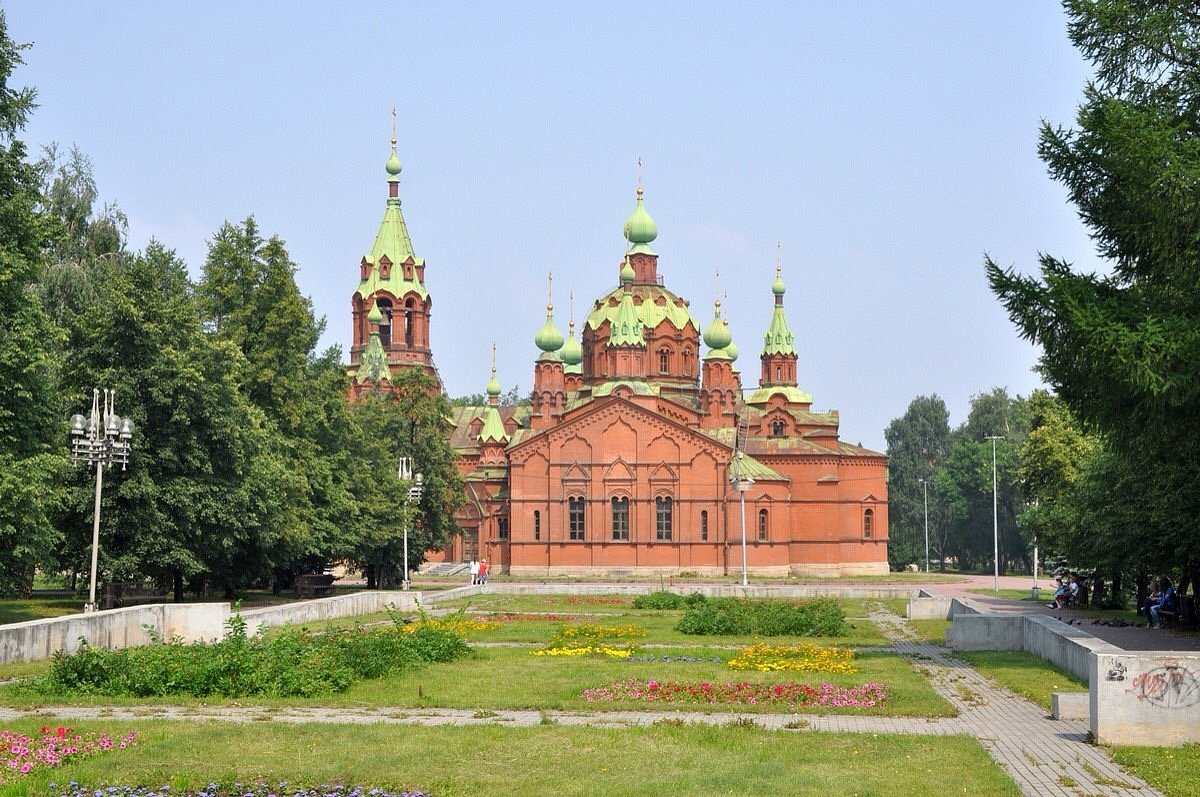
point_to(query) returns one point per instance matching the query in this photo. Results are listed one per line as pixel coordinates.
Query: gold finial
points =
(571, 306)
(550, 291)
(393, 127)
(778, 259)
(726, 305)
(639, 177)
(493, 358)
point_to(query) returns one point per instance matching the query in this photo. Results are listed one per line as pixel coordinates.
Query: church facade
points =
(640, 451)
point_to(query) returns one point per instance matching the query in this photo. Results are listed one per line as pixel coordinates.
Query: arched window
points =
(664, 361)
(537, 525)
(868, 524)
(575, 518)
(764, 525)
(777, 428)
(663, 520)
(502, 526)
(620, 519)
(704, 525)
(385, 326)
(778, 374)
(408, 323)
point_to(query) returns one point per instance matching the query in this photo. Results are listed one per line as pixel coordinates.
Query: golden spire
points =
(493, 358)
(393, 127)
(550, 291)
(639, 177)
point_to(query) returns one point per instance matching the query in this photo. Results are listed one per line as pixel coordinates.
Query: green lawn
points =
(1175, 771)
(17, 610)
(1026, 674)
(698, 761)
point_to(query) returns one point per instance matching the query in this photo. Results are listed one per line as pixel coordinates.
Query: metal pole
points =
(91, 604)
(742, 500)
(995, 519)
(404, 583)
(925, 485)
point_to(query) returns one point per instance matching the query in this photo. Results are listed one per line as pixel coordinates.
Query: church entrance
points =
(470, 545)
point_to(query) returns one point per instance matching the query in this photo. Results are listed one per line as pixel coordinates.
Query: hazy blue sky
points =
(885, 145)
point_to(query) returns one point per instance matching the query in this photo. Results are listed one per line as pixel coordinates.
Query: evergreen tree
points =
(917, 445)
(1123, 350)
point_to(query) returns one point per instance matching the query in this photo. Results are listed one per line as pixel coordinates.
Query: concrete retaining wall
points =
(1145, 698)
(1149, 698)
(115, 628)
(191, 622)
(709, 590)
(353, 605)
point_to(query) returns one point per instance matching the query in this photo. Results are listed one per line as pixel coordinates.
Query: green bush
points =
(291, 663)
(736, 617)
(659, 600)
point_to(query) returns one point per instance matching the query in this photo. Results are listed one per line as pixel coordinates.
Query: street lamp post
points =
(925, 488)
(995, 517)
(413, 495)
(742, 483)
(99, 440)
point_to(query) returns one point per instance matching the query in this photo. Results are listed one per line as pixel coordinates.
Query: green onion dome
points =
(393, 163)
(375, 316)
(639, 227)
(627, 273)
(549, 338)
(777, 287)
(572, 352)
(493, 385)
(717, 335)
(731, 349)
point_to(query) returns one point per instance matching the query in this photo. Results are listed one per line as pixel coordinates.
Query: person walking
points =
(474, 572)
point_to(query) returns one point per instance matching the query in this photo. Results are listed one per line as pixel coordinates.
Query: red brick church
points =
(628, 457)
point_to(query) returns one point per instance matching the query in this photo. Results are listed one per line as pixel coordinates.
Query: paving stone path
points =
(1046, 757)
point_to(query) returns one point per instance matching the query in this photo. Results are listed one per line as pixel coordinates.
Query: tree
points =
(32, 455)
(410, 420)
(917, 444)
(1123, 350)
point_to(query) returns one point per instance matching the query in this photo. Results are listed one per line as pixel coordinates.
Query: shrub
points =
(659, 600)
(733, 616)
(291, 663)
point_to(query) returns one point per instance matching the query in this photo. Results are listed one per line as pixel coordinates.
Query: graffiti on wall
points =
(1171, 685)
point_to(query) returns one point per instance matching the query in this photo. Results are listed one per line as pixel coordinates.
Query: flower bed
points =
(236, 790)
(596, 600)
(25, 754)
(790, 693)
(678, 659)
(588, 639)
(517, 617)
(793, 658)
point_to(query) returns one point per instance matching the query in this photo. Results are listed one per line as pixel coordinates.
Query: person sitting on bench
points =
(1150, 600)
(1166, 602)
(1060, 594)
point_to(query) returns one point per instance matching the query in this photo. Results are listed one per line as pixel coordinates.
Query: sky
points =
(878, 150)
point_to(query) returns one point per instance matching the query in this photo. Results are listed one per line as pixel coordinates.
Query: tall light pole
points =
(925, 488)
(413, 495)
(742, 483)
(99, 440)
(995, 516)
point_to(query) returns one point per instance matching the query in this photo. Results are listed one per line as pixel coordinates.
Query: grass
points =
(1023, 673)
(1174, 771)
(700, 761)
(932, 631)
(20, 610)
(1015, 594)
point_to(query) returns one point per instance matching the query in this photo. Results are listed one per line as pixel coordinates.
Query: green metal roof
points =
(626, 329)
(640, 229)
(649, 311)
(754, 469)
(374, 365)
(392, 240)
(779, 339)
(638, 387)
(792, 394)
(493, 427)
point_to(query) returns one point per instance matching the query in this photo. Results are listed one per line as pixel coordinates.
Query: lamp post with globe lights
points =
(412, 496)
(99, 440)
